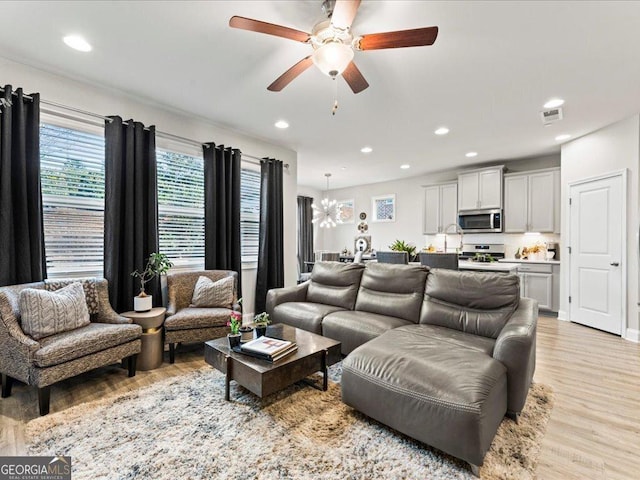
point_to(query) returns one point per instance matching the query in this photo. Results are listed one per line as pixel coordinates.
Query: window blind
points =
(181, 209)
(249, 214)
(72, 177)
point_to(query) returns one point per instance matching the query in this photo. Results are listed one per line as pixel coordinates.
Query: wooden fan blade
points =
(354, 78)
(286, 78)
(268, 28)
(344, 12)
(417, 37)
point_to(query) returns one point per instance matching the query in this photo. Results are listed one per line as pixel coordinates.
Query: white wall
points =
(409, 200)
(615, 147)
(112, 102)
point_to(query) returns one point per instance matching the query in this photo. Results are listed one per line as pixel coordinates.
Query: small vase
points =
(261, 331)
(246, 334)
(234, 339)
(143, 304)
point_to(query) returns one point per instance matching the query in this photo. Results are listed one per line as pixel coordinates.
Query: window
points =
(72, 175)
(73, 181)
(181, 209)
(249, 214)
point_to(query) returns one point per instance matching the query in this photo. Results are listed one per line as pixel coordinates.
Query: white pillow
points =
(208, 293)
(46, 313)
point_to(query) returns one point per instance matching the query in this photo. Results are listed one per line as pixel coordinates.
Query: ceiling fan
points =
(334, 44)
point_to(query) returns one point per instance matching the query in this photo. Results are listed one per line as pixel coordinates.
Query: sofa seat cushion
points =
(305, 315)
(353, 328)
(194, 317)
(95, 337)
(455, 338)
(450, 397)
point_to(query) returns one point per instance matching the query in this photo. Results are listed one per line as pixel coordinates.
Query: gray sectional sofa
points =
(439, 355)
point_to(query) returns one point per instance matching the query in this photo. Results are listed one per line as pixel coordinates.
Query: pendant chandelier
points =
(328, 213)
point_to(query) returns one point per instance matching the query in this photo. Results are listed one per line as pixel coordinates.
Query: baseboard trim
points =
(562, 315)
(632, 335)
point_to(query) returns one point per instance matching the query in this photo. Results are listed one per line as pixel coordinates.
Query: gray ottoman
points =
(447, 394)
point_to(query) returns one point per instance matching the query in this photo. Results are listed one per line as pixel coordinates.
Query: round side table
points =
(150, 356)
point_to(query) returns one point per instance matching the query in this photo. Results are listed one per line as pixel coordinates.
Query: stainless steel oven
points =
(480, 221)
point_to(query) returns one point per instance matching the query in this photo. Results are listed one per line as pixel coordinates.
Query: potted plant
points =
(246, 331)
(402, 246)
(157, 264)
(234, 322)
(261, 321)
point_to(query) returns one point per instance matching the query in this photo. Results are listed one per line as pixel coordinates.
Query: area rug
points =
(181, 428)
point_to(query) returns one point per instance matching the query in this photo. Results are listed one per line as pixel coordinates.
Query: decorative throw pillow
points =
(208, 293)
(46, 313)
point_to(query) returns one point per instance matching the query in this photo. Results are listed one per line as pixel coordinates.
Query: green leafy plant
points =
(157, 264)
(402, 246)
(262, 319)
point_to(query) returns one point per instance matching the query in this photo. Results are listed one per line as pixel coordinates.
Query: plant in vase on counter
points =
(402, 246)
(535, 252)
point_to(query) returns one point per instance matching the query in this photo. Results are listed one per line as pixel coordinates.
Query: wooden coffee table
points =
(315, 353)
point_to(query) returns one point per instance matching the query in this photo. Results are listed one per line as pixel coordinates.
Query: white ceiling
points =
(492, 67)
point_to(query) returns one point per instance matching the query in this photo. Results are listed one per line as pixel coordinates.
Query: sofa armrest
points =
(516, 348)
(16, 348)
(106, 313)
(276, 296)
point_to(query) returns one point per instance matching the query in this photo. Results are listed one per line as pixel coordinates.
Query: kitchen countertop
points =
(519, 260)
(488, 266)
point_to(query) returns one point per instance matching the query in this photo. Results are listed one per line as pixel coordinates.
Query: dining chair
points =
(440, 260)
(393, 257)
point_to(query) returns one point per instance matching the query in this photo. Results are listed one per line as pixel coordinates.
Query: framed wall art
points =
(383, 208)
(347, 211)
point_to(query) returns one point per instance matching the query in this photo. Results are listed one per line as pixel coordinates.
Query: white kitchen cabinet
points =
(540, 282)
(530, 202)
(440, 207)
(480, 189)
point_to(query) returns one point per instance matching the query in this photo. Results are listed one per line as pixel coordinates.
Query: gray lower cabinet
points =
(540, 281)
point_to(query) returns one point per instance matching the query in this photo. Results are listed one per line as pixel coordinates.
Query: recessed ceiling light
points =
(281, 124)
(562, 137)
(405, 166)
(471, 154)
(343, 168)
(77, 43)
(442, 131)
(366, 149)
(554, 103)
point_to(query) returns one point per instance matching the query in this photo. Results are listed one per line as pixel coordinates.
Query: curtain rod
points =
(168, 136)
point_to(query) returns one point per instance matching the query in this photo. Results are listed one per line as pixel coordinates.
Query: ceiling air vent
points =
(551, 116)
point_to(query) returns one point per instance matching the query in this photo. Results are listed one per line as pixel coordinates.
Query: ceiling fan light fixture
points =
(332, 58)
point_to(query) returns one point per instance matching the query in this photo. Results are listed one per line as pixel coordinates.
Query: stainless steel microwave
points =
(481, 221)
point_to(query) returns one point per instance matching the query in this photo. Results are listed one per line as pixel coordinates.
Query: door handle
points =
(614, 264)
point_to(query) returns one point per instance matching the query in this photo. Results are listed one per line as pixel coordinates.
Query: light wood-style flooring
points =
(593, 433)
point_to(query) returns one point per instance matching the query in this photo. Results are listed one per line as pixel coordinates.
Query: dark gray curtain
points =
(222, 209)
(130, 210)
(22, 256)
(270, 246)
(305, 232)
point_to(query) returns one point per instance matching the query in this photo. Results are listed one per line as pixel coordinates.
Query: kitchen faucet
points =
(458, 231)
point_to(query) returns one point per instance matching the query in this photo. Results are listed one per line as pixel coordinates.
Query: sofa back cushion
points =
(335, 283)
(394, 290)
(46, 313)
(473, 302)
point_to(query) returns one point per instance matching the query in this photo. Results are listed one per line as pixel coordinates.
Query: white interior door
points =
(597, 243)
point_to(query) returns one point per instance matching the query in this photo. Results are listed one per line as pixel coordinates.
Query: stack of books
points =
(267, 348)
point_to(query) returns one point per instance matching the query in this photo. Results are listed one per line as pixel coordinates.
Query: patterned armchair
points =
(107, 339)
(185, 323)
